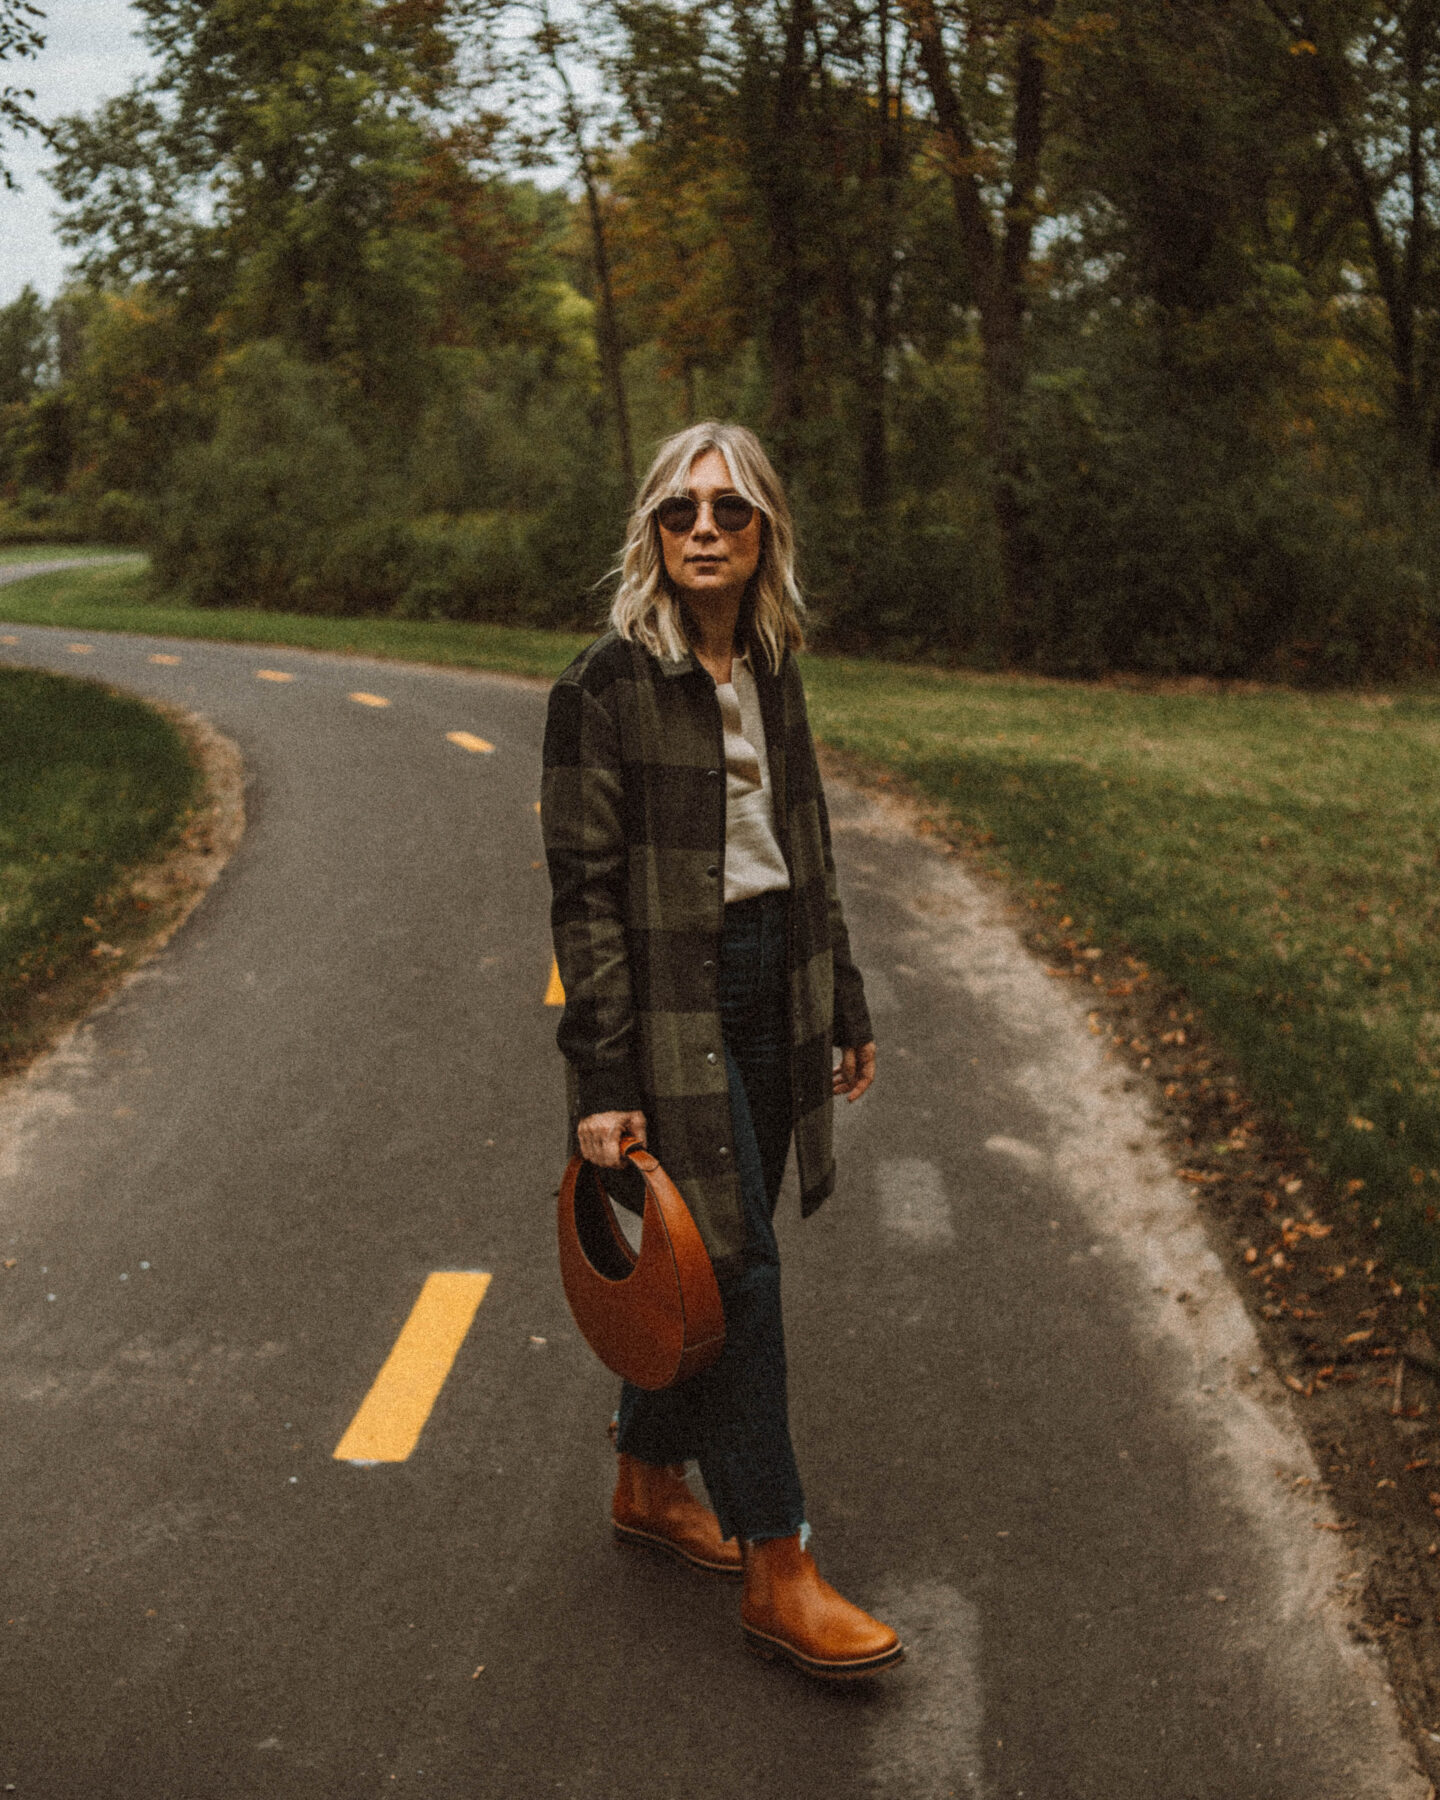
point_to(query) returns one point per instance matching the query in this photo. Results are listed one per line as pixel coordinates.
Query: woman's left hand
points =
(856, 1071)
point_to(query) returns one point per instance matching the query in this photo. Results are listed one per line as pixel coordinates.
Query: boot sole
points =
(771, 1649)
(646, 1540)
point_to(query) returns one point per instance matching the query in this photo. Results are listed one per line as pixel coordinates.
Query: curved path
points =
(224, 1194)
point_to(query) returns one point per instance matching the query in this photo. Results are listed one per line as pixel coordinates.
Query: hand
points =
(855, 1073)
(599, 1136)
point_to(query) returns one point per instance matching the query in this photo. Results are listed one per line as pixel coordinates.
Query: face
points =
(707, 564)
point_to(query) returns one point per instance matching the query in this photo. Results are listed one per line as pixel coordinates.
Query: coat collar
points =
(689, 664)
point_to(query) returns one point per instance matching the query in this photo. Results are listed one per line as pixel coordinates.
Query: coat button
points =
(724, 1150)
(713, 870)
(709, 963)
(710, 1057)
(714, 774)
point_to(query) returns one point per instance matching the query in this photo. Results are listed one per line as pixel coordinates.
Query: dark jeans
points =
(732, 1417)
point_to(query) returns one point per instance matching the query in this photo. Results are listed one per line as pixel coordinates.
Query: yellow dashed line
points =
(467, 740)
(369, 699)
(169, 662)
(80, 649)
(272, 675)
(555, 991)
(393, 1414)
(9, 640)
(537, 806)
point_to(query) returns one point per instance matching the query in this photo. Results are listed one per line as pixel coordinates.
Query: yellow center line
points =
(369, 699)
(79, 649)
(272, 675)
(555, 991)
(468, 741)
(393, 1414)
(9, 640)
(168, 661)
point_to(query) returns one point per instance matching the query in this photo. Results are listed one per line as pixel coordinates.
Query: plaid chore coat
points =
(633, 811)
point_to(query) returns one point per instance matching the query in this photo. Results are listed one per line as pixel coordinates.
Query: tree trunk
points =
(783, 187)
(999, 256)
(612, 355)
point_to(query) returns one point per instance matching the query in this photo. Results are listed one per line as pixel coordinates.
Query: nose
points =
(705, 527)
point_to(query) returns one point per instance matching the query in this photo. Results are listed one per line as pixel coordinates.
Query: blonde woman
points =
(708, 980)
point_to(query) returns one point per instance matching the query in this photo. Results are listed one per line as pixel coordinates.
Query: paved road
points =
(225, 1194)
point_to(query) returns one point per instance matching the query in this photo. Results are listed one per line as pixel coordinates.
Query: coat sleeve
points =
(583, 819)
(852, 1016)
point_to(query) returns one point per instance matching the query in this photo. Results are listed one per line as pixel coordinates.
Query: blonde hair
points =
(646, 607)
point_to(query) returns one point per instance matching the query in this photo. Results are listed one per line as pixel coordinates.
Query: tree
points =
(26, 346)
(552, 122)
(20, 36)
(273, 180)
(1372, 74)
(987, 71)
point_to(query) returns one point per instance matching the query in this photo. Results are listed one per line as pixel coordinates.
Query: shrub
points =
(1170, 540)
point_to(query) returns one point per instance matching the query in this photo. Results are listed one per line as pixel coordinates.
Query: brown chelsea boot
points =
(789, 1611)
(654, 1506)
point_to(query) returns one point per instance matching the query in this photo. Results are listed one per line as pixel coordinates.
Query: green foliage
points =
(26, 347)
(1174, 541)
(90, 784)
(1107, 372)
(1271, 854)
(284, 509)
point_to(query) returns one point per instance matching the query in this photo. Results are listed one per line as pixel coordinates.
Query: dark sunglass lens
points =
(733, 512)
(677, 513)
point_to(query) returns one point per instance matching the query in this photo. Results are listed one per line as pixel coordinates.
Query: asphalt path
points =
(1084, 1504)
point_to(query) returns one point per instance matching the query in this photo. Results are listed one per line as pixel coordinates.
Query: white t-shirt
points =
(753, 863)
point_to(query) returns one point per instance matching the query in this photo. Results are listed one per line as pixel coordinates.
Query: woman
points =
(707, 975)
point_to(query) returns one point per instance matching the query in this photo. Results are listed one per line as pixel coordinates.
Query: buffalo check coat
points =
(633, 811)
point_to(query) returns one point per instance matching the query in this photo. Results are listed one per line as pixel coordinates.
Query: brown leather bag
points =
(654, 1318)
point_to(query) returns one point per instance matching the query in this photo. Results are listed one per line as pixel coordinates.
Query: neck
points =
(713, 631)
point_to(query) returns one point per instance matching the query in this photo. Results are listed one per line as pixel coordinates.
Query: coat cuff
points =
(852, 1016)
(610, 1088)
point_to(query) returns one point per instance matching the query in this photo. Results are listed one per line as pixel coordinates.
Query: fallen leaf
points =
(1359, 1337)
(1325, 1525)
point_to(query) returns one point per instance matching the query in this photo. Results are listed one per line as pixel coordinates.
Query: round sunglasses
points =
(677, 513)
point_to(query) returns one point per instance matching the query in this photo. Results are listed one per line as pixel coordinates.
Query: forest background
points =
(1089, 338)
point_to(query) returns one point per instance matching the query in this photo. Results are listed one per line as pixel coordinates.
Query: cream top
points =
(753, 863)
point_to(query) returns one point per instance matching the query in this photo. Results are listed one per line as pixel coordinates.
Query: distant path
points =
(23, 571)
(224, 1195)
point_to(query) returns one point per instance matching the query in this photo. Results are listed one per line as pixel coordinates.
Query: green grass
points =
(90, 785)
(119, 598)
(1275, 854)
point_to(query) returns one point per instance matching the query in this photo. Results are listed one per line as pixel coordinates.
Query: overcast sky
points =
(89, 55)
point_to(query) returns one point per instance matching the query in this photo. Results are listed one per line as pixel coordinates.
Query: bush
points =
(248, 516)
(1171, 541)
(285, 509)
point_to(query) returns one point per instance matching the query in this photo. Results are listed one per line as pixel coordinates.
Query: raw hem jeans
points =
(732, 1418)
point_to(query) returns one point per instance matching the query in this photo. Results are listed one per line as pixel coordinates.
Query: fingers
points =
(599, 1136)
(856, 1072)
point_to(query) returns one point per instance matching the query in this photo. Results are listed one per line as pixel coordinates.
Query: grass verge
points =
(1272, 854)
(91, 786)
(118, 597)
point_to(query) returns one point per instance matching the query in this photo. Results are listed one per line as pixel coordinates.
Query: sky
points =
(90, 54)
